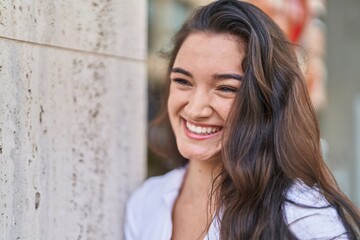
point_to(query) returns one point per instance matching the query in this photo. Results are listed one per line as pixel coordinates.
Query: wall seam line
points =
(73, 49)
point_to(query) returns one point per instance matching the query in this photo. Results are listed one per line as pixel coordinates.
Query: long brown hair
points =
(272, 133)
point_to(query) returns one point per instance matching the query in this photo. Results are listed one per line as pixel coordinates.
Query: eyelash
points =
(227, 89)
(182, 82)
(224, 89)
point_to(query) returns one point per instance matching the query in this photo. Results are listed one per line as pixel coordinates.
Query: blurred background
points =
(73, 103)
(329, 33)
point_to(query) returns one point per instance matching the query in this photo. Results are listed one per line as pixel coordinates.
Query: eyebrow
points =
(228, 76)
(215, 76)
(182, 71)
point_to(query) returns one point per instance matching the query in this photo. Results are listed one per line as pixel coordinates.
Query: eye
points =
(227, 89)
(181, 81)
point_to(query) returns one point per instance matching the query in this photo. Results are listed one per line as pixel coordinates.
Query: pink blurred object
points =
(291, 15)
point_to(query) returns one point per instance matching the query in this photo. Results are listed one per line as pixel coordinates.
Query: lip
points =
(196, 136)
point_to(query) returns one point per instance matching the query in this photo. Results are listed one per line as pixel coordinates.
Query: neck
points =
(199, 179)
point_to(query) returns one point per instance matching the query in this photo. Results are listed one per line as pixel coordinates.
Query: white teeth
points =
(201, 130)
(198, 130)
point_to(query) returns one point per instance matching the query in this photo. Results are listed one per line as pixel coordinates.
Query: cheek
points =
(224, 108)
(226, 112)
(173, 107)
(170, 98)
(176, 101)
(171, 104)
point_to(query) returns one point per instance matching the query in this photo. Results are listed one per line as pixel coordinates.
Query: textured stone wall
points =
(72, 116)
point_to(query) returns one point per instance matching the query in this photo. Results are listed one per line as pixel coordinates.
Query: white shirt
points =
(149, 211)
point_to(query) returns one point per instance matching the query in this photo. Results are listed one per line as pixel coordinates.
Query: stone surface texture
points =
(72, 116)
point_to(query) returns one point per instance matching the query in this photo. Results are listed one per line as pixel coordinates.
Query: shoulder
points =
(154, 187)
(310, 216)
(150, 201)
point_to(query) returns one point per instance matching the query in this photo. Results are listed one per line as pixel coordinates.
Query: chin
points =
(199, 154)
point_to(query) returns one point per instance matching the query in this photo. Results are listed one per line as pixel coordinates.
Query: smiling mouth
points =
(202, 130)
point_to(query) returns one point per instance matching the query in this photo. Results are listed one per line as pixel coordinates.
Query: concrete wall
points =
(341, 120)
(72, 116)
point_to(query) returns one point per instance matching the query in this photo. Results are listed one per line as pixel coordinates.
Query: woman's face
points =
(205, 78)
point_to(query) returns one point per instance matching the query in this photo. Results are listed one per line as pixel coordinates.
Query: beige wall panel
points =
(115, 27)
(72, 141)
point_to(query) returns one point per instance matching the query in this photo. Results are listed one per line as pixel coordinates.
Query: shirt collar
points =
(172, 186)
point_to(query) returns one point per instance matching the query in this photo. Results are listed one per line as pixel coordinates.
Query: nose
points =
(198, 106)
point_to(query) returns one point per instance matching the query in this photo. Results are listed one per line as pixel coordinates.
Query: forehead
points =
(211, 52)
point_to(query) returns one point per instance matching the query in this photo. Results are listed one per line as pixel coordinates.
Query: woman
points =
(240, 117)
